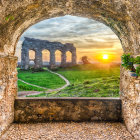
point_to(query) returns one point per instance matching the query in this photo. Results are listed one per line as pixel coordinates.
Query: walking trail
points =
(24, 93)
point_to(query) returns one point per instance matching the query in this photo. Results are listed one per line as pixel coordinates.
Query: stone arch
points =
(39, 45)
(121, 16)
(45, 57)
(106, 12)
(58, 57)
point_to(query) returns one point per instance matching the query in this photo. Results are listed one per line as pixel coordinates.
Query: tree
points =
(85, 60)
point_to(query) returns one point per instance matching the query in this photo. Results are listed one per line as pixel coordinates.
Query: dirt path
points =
(32, 84)
(25, 93)
(62, 77)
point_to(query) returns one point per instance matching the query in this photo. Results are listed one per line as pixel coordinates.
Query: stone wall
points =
(39, 45)
(67, 109)
(130, 95)
(122, 16)
(8, 90)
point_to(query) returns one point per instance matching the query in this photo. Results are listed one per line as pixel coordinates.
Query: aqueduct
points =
(39, 45)
(122, 16)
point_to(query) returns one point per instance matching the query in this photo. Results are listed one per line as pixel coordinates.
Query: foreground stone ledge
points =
(67, 109)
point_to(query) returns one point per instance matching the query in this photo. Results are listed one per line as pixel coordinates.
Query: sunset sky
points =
(91, 38)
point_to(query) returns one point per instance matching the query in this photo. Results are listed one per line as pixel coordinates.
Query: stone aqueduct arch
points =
(39, 45)
(122, 16)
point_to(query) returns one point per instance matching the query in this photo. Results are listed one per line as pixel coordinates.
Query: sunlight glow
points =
(105, 56)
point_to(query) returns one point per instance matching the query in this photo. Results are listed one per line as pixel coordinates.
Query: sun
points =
(105, 56)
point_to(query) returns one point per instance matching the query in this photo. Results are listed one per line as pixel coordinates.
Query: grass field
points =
(24, 87)
(91, 82)
(86, 81)
(43, 79)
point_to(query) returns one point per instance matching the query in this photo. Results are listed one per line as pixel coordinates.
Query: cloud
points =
(67, 26)
(82, 32)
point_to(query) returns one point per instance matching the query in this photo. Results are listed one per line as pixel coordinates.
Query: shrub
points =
(137, 60)
(127, 61)
(36, 70)
(138, 70)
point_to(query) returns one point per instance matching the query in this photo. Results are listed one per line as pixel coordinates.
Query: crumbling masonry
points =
(122, 16)
(39, 45)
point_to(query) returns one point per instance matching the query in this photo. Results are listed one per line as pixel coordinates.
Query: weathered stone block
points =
(8, 90)
(67, 109)
(122, 16)
(130, 95)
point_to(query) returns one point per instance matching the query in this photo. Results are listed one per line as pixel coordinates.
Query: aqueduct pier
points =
(39, 45)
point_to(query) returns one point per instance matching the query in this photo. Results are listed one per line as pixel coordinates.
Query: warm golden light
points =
(105, 56)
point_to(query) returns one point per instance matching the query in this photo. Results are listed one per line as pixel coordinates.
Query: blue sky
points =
(88, 36)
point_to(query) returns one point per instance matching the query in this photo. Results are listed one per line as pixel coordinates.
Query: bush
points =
(36, 70)
(127, 61)
(137, 60)
(138, 70)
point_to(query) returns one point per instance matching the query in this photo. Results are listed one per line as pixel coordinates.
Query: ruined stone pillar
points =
(52, 57)
(38, 59)
(8, 90)
(63, 58)
(24, 58)
(130, 96)
(74, 57)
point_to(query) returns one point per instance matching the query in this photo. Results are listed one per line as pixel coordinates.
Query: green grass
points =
(79, 74)
(100, 87)
(24, 87)
(39, 95)
(89, 81)
(43, 79)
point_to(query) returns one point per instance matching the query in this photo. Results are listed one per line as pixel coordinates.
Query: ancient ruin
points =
(122, 16)
(39, 45)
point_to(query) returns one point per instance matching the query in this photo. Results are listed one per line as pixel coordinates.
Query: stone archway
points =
(39, 45)
(121, 16)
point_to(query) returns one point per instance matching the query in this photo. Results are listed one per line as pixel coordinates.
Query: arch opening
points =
(126, 27)
(58, 57)
(45, 58)
(95, 42)
(68, 57)
(32, 55)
